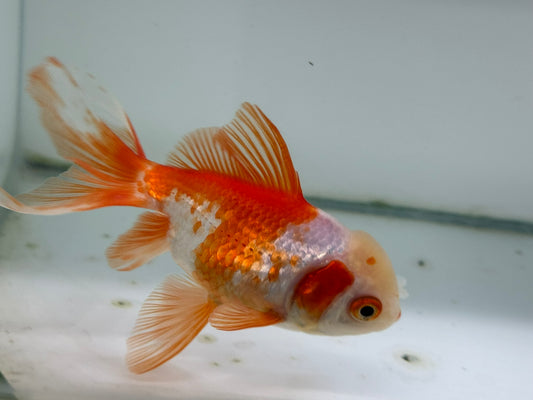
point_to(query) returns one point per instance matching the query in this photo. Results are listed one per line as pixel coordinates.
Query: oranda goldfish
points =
(229, 207)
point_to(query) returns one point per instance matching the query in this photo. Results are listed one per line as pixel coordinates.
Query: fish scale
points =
(242, 239)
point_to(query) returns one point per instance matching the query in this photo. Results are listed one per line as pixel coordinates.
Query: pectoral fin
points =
(232, 317)
(146, 240)
(169, 320)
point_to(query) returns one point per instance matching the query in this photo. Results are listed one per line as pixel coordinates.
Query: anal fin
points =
(169, 320)
(232, 317)
(146, 240)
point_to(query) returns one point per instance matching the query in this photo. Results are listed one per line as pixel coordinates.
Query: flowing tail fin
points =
(90, 128)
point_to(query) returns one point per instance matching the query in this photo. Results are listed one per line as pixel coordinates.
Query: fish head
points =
(354, 294)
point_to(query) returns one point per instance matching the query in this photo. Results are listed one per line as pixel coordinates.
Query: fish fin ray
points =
(200, 150)
(72, 101)
(169, 320)
(109, 159)
(232, 317)
(144, 241)
(255, 142)
(249, 148)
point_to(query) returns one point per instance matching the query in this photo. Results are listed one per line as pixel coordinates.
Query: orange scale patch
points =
(247, 263)
(210, 206)
(212, 261)
(238, 260)
(222, 251)
(230, 257)
(273, 273)
(196, 226)
(277, 257)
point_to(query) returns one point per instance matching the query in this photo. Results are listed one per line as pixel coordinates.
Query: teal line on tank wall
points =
(419, 214)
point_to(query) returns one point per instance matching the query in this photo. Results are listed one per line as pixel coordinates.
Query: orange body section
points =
(252, 218)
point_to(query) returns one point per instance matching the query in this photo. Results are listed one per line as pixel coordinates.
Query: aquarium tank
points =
(411, 121)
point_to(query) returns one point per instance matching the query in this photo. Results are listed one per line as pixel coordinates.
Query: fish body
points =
(227, 205)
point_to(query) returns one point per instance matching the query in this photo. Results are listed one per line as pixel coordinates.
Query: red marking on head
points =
(316, 291)
(370, 260)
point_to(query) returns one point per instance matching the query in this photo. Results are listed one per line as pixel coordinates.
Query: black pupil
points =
(367, 311)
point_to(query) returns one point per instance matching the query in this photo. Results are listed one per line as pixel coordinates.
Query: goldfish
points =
(228, 206)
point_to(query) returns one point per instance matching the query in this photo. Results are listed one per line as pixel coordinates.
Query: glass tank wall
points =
(409, 120)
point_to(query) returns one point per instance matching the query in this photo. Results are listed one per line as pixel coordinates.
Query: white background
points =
(419, 103)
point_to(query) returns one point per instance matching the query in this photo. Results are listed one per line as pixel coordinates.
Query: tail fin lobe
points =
(89, 128)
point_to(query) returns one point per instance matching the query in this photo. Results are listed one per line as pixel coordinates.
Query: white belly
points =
(190, 224)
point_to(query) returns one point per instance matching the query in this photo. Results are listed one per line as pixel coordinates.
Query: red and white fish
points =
(229, 207)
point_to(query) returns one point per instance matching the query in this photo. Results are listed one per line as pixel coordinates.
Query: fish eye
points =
(365, 308)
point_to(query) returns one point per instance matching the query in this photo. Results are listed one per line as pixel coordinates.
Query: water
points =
(424, 104)
(66, 316)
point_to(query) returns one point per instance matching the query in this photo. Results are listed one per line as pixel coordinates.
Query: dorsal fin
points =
(257, 144)
(201, 150)
(250, 148)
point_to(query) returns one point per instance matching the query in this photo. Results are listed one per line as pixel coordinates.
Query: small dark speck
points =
(121, 303)
(410, 358)
(215, 364)
(207, 339)
(421, 263)
(236, 360)
(132, 282)
(518, 252)
(311, 63)
(106, 235)
(31, 245)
